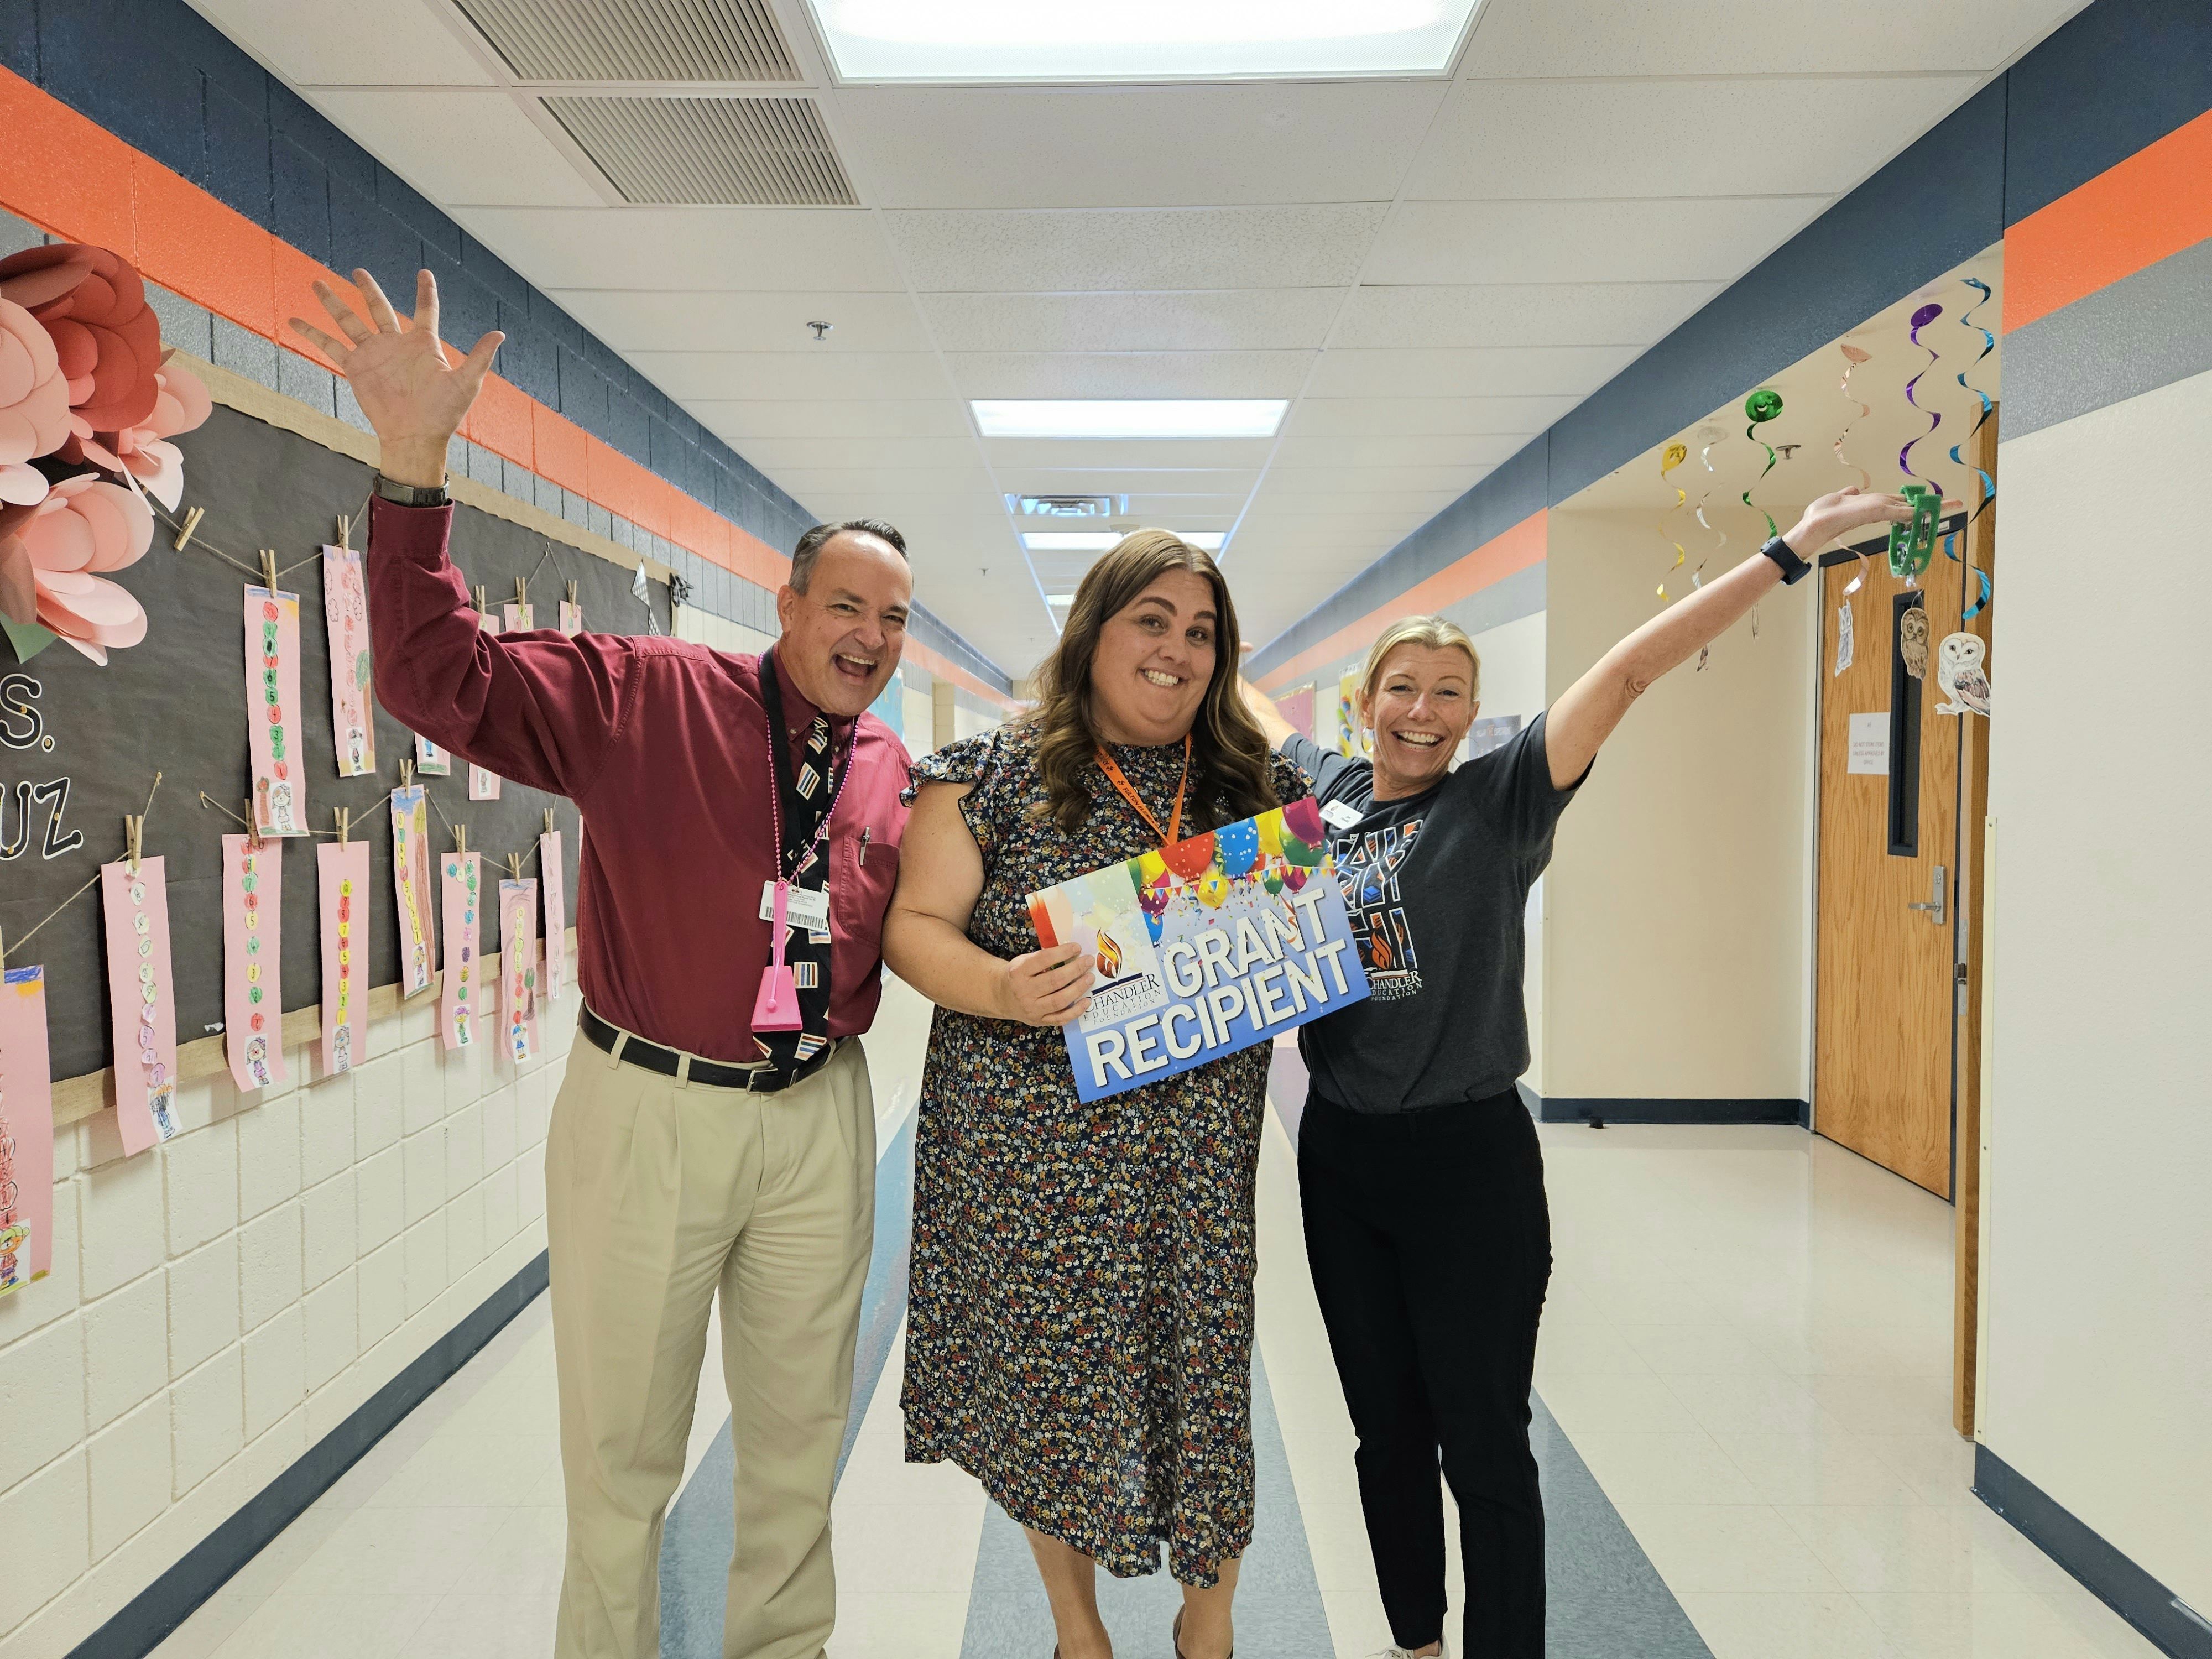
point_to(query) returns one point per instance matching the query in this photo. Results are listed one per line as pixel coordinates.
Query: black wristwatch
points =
(1792, 568)
(405, 494)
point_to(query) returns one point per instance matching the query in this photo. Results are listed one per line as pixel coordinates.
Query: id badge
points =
(1338, 815)
(807, 907)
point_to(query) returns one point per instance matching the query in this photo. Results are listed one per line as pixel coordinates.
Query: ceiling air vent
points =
(678, 40)
(710, 152)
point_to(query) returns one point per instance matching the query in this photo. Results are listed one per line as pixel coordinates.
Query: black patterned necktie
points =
(808, 792)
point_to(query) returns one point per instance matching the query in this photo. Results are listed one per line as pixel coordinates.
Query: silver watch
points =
(404, 494)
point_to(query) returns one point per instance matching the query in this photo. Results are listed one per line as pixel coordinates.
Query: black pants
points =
(1431, 1244)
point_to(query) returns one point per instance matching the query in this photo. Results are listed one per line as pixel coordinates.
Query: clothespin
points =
(461, 840)
(253, 829)
(514, 866)
(406, 772)
(132, 828)
(549, 821)
(345, 822)
(521, 591)
(268, 570)
(572, 594)
(345, 530)
(192, 517)
(483, 606)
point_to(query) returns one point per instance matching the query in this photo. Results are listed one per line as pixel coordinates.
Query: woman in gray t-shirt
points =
(1420, 1178)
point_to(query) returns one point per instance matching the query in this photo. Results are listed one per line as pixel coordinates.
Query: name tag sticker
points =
(805, 907)
(1340, 815)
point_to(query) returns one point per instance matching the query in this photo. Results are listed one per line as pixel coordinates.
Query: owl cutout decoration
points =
(1912, 641)
(1959, 672)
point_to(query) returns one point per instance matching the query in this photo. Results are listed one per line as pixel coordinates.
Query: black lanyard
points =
(787, 858)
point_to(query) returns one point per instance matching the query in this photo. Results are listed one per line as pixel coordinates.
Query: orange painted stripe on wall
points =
(1513, 549)
(2156, 203)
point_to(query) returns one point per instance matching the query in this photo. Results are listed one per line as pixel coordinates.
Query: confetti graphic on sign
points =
(252, 957)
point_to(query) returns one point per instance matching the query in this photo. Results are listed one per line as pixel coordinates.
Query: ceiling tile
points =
(1104, 250)
(829, 250)
(1220, 320)
(1395, 449)
(892, 454)
(413, 45)
(1138, 453)
(751, 374)
(1389, 482)
(1519, 314)
(735, 420)
(458, 145)
(1747, 37)
(1527, 139)
(1712, 238)
(1070, 481)
(1517, 372)
(649, 319)
(1388, 416)
(1154, 508)
(1157, 146)
(883, 484)
(1130, 374)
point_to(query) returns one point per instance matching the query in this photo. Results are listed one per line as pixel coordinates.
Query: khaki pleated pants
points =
(659, 1196)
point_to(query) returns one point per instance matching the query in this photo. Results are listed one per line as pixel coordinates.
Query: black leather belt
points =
(759, 1080)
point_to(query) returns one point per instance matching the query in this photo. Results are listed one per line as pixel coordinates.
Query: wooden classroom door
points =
(1885, 995)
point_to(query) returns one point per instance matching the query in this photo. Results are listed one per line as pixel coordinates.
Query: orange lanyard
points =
(1169, 835)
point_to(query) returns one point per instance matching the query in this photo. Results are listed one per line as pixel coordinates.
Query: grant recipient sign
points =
(1202, 948)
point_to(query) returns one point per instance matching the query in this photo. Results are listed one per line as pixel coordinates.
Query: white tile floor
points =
(1748, 1341)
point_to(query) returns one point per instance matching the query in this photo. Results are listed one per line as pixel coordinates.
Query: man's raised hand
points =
(414, 396)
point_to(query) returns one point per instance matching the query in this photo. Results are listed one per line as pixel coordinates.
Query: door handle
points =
(1935, 905)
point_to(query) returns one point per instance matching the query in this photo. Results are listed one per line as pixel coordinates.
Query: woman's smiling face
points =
(1154, 662)
(1422, 705)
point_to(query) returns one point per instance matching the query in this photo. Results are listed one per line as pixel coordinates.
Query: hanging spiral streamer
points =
(1675, 455)
(1980, 575)
(1920, 318)
(1853, 356)
(1762, 406)
(1989, 344)
(1698, 576)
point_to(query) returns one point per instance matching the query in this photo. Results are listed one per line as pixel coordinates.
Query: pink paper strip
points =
(141, 998)
(411, 887)
(555, 887)
(431, 761)
(344, 897)
(483, 785)
(517, 618)
(345, 609)
(571, 618)
(517, 967)
(252, 957)
(461, 995)
(272, 711)
(27, 1130)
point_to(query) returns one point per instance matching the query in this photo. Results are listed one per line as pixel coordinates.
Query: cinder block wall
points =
(219, 1304)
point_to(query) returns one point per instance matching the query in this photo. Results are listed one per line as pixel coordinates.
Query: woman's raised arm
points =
(1587, 711)
(926, 931)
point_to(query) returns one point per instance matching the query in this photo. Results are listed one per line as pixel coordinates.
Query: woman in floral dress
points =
(1079, 1336)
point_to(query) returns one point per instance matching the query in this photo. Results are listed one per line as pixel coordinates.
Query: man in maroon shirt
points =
(720, 1134)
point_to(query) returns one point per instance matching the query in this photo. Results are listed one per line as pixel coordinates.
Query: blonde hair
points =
(1230, 758)
(1433, 634)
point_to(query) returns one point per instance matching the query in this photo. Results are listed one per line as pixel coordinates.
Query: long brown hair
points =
(1229, 752)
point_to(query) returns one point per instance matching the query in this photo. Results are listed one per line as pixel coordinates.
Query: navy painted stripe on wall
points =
(2120, 75)
(166, 81)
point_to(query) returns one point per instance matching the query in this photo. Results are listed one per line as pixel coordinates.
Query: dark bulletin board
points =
(176, 704)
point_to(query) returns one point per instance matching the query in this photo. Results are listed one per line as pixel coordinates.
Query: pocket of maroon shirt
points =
(861, 892)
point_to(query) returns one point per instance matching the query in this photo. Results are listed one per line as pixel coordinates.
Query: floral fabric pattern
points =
(1079, 1334)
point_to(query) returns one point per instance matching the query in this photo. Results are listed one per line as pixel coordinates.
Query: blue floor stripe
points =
(702, 1527)
(1278, 1606)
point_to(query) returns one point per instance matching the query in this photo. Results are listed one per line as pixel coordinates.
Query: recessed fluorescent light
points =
(1206, 541)
(1129, 417)
(1147, 39)
(1060, 599)
(1069, 541)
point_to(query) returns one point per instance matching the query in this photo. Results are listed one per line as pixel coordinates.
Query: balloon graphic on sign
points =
(1190, 858)
(1212, 889)
(1272, 881)
(1270, 828)
(1238, 844)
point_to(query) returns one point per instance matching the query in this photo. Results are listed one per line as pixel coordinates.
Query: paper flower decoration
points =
(143, 451)
(94, 306)
(49, 555)
(35, 412)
